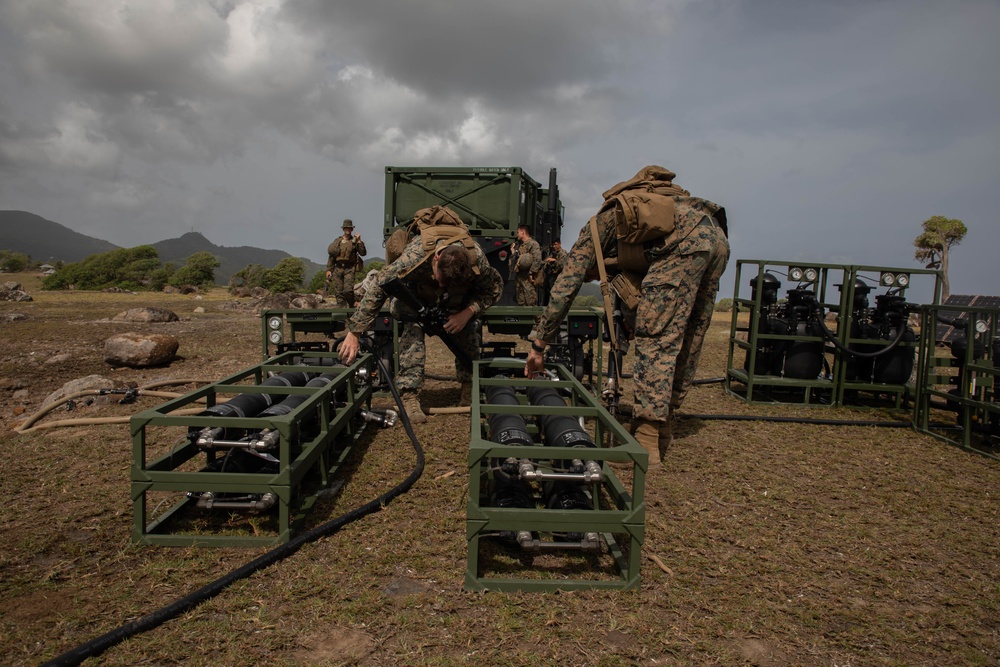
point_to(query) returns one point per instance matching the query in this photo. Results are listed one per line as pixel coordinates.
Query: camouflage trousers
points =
(342, 286)
(525, 293)
(412, 353)
(671, 322)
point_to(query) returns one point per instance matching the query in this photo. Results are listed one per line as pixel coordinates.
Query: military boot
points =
(411, 403)
(647, 434)
(666, 433)
(466, 398)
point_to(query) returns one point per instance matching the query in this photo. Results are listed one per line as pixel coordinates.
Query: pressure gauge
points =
(887, 279)
(903, 279)
(795, 273)
(274, 337)
(274, 322)
(982, 326)
(811, 275)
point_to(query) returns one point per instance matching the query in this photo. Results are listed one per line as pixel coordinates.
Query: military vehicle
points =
(492, 201)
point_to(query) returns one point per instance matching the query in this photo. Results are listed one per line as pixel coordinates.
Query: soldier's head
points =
(452, 266)
(557, 245)
(348, 227)
(523, 233)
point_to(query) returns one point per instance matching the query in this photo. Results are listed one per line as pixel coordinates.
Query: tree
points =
(121, 267)
(12, 262)
(286, 276)
(198, 270)
(933, 245)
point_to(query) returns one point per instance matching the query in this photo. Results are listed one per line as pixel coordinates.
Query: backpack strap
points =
(609, 309)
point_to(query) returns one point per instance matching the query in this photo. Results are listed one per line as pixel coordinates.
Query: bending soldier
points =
(446, 270)
(676, 297)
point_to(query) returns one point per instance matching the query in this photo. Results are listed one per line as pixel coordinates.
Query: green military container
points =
(492, 201)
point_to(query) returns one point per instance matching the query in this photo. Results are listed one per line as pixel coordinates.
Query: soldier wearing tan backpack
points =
(661, 252)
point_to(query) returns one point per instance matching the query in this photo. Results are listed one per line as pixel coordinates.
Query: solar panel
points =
(946, 333)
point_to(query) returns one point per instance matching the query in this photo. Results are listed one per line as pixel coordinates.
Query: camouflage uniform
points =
(556, 267)
(485, 290)
(344, 259)
(529, 261)
(675, 309)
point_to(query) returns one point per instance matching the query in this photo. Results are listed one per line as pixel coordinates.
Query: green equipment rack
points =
(618, 511)
(757, 330)
(314, 439)
(960, 383)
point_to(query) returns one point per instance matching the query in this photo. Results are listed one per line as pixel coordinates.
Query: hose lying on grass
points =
(100, 644)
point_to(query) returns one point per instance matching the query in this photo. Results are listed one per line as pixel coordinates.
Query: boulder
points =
(146, 315)
(11, 291)
(138, 350)
(78, 385)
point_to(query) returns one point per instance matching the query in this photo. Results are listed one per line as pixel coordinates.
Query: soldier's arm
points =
(572, 277)
(375, 297)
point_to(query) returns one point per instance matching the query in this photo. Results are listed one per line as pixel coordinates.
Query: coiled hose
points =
(97, 646)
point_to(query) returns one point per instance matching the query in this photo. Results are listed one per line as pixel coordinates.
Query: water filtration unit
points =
(821, 342)
(245, 467)
(542, 490)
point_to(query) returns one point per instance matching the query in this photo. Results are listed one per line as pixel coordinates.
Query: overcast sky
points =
(828, 129)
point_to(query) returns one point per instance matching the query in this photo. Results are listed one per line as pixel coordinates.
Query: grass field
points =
(783, 543)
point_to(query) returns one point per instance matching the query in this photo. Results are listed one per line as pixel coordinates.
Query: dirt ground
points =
(782, 543)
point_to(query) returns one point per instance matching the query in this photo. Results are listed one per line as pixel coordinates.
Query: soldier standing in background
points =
(675, 300)
(525, 262)
(345, 255)
(556, 261)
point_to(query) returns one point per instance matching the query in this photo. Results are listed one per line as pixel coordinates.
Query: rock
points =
(58, 358)
(199, 309)
(146, 315)
(78, 385)
(11, 291)
(307, 301)
(170, 289)
(13, 317)
(138, 350)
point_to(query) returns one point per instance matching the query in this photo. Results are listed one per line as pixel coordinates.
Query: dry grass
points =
(786, 543)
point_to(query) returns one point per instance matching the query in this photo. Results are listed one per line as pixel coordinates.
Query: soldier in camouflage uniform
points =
(344, 259)
(447, 281)
(525, 262)
(674, 311)
(556, 261)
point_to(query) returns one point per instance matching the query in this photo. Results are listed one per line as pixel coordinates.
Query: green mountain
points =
(49, 242)
(46, 241)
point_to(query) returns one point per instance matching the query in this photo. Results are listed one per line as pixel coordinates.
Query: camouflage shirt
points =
(582, 258)
(529, 257)
(484, 290)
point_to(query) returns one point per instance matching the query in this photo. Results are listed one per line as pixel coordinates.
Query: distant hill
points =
(231, 259)
(47, 241)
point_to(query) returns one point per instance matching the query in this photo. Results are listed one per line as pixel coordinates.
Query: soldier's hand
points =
(457, 321)
(535, 364)
(329, 273)
(357, 236)
(349, 348)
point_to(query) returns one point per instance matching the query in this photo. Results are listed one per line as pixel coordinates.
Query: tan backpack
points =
(436, 226)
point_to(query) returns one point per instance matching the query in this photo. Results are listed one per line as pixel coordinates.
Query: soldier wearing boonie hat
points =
(344, 260)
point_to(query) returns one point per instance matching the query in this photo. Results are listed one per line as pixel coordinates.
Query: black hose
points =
(97, 646)
(868, 355)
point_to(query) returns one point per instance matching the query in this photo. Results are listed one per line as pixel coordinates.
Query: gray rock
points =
(146, 315)
(78, 385)
(138, 350)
